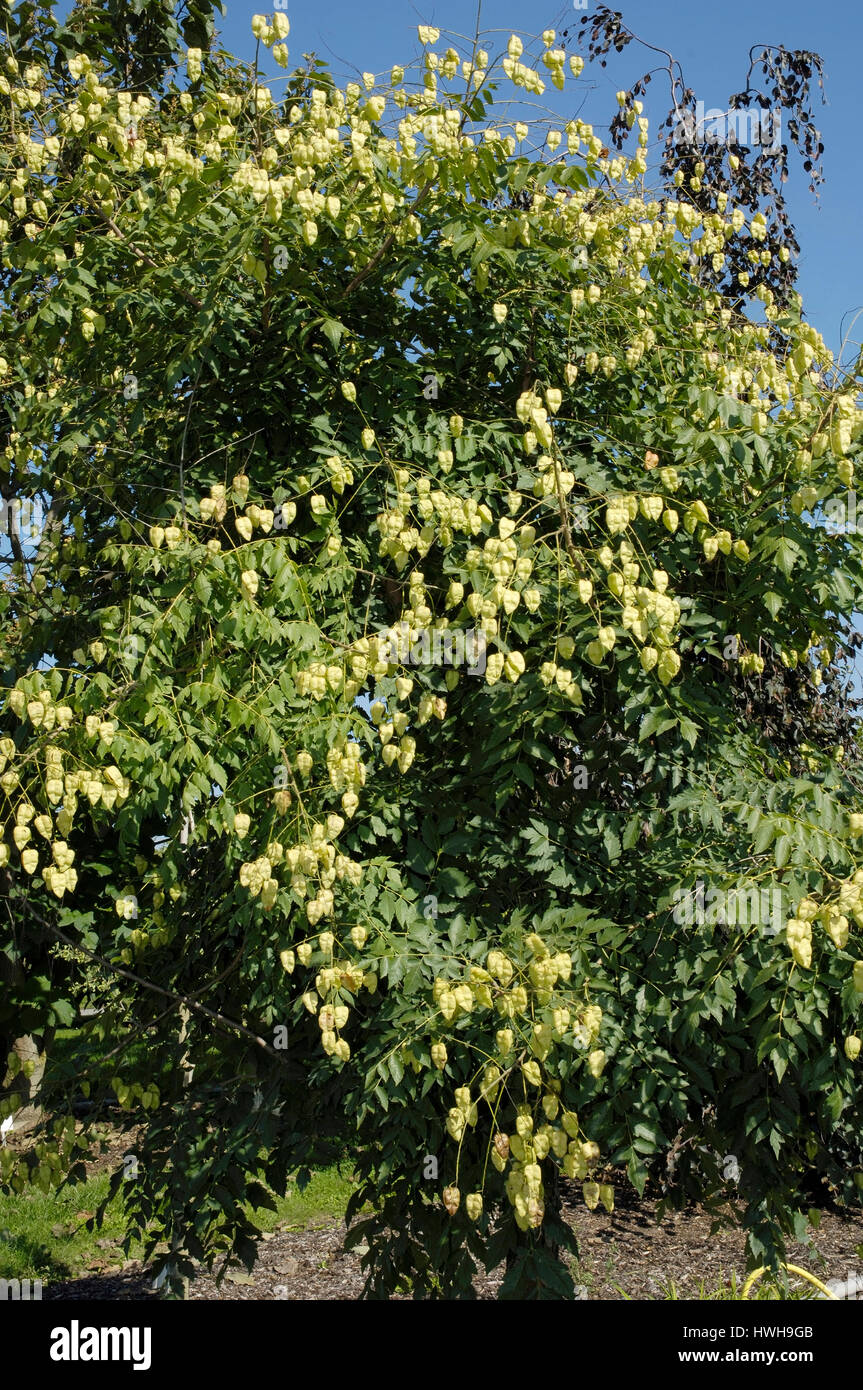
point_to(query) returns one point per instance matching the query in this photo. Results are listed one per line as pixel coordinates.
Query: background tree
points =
(709, 164)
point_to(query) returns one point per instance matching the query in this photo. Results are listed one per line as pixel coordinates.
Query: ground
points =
(622, 1255)
(625, 1254)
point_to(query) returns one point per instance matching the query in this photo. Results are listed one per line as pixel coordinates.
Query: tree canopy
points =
(384, 707)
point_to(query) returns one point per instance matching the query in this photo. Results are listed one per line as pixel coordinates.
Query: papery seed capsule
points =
(451, 1199)
(596, 1062)
(590, 1191)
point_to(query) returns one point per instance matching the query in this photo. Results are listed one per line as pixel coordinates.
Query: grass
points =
(728, 1291)
(44, 1235)
(326, 1196)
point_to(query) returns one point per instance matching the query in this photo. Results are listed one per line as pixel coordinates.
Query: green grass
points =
(764, 1291)
(325, 1197)
(44, 1235)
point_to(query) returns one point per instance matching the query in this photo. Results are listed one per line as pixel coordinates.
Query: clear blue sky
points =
(712, 43)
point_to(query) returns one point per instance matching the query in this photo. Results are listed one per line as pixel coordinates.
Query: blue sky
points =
(711, 42)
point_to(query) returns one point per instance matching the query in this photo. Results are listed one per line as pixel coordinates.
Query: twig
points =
(14, 538)
(53, 522)
(385, 246)
(187, 999)
(574, 556)
(142, 256)
(183, 445)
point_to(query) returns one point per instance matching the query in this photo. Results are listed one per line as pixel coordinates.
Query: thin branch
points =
(142, 255)
(183, 445)
(385, 246)
(219, 1019)
(574, 556)
(14, 537)
(53, 522)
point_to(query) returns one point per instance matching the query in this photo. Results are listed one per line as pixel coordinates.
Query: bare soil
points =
(627, 1254)
(623, 1255)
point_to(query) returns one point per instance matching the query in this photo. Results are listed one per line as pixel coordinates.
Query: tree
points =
(741, 153)
(417, 512)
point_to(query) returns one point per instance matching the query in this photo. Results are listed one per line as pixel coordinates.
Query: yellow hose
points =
(795, 1269)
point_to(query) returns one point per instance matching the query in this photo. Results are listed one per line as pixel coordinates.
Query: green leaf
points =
(333, 330)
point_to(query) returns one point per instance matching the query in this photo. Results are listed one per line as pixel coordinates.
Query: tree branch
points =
(219, 1019)
(14, 538)
(142, 255)
(574, 556)
(385, 246)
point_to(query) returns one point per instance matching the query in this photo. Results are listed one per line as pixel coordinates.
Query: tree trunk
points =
(31, 1050)
(28, 1050)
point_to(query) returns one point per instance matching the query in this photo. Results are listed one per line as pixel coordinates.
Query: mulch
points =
(627, 1254)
